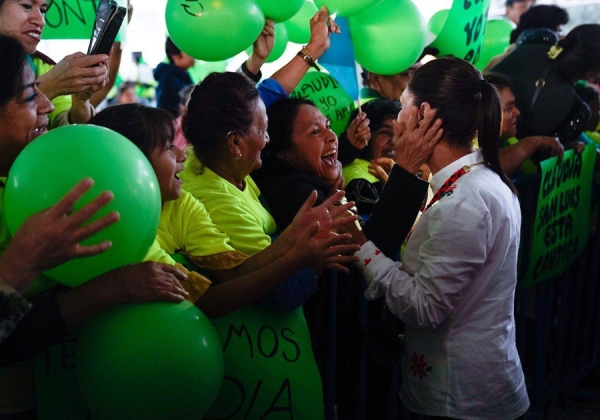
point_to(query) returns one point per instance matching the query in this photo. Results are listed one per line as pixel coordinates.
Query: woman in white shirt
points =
(455, 286)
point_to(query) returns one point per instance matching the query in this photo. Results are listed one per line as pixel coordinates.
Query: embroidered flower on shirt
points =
(419, 366)
(368, 261)
(377, 252)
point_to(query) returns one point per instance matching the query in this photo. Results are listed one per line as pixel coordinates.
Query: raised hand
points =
(416, 140)
(358, 131)
(53, 236)
(321, 28)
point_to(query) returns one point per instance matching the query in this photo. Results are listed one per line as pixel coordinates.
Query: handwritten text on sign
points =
(269, 367)
(74, 19)
(462, 34)
(561, 227)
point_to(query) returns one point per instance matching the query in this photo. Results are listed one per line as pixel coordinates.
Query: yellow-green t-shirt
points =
(239, 214)
(357, 169)
(61, 103)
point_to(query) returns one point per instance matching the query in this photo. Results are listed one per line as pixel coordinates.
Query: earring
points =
(238, 157)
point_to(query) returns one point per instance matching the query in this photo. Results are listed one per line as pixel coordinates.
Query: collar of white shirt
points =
(446, 172)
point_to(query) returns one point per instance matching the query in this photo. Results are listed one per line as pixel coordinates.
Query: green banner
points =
(462, 34)
(562, 222)
(270, 371)
(74, 19)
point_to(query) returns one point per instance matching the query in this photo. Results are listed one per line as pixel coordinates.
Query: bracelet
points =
(305, 55)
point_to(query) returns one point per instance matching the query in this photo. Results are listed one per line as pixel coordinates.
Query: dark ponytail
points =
(468, 106)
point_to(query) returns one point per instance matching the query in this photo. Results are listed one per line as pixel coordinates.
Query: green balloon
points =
(278, 10)
(281, 41)
(298, 26)
(213, 30)
(50, 166)
(346, 8)
(438, 20)
(389, 37)
(329, 97)
(495, 40)
(270, 371)
(149, 361)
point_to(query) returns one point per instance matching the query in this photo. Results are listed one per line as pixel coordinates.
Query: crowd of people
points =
(269, 205)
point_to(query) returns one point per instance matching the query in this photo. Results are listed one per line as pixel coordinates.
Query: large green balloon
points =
(389, 37)
(201, 69)
(346, 8)
(213, 30)
(149, 361)
(279, 10)
(281, 41)
(495, 40)
(298, 26)
(329, 96)
(50, 166)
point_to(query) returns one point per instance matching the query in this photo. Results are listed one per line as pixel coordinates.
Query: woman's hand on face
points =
(144, 282)
(358, 131)
(53, 236)
(331, 251)
(416, 140)
(321, 27)
(74, 74)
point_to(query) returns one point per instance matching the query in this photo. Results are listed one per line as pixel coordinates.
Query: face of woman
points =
(23, 20)
(167, 162)
(314, 146)
(255, 140)
(382, 141)
(23, 119)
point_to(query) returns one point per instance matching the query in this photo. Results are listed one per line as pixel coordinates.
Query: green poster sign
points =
(562, 222)
(462, 34)
(74, 19)
(270, 371)
(329, 97)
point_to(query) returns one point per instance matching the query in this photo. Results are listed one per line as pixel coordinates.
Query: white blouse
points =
(455, 290)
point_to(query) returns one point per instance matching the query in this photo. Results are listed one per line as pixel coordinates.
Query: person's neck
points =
(226, 169)
(444, 154)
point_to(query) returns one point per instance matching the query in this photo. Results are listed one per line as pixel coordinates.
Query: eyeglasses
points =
(510, 109)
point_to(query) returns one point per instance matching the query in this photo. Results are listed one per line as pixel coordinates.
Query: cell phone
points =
(109, 17)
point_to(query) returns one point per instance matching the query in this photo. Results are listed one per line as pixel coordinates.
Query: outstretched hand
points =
(416, 139)
(330, 251)
(53, 236)
(329, 215)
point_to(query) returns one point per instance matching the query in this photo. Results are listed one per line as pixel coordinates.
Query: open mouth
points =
(34, 34)
(330, 157)
(38, 131)
(390, 153)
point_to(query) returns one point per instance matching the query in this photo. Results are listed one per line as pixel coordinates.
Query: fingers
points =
(91, 208)
(91, 60)
(333, 199)
(310, 201)
(179, 275)
(65, 204)
(338, 267)
(342, 221)
(340, 209)
(96, 226)
(91, 250)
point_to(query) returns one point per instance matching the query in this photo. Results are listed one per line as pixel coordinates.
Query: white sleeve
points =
(449, 258)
